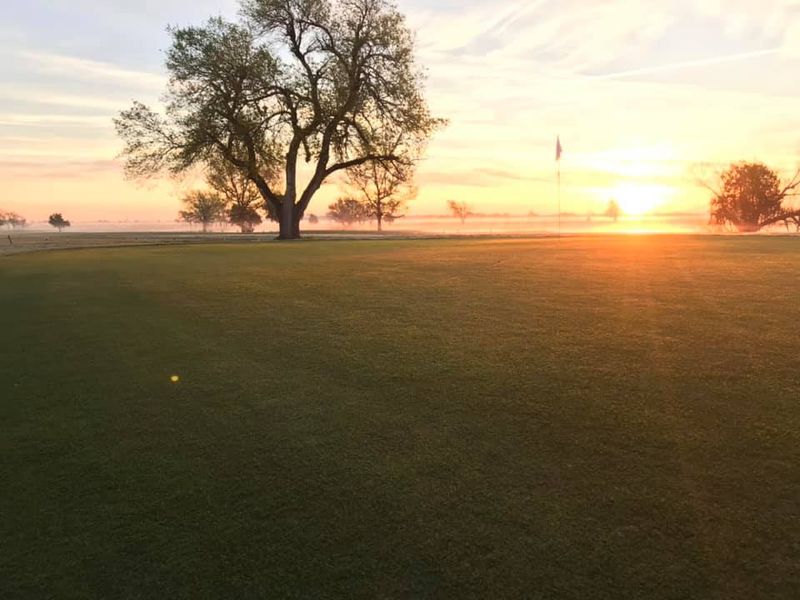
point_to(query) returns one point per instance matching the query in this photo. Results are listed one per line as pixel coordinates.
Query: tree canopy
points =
(750, 196)
(332, 84)
(204, 208)
(12, 220)
(348, 211)
(384, 189)
(460, 210)
(57, 220)
(240, 194)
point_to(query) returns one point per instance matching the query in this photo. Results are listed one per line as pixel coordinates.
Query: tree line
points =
(231, 197)
(377, 193)
(14, 221)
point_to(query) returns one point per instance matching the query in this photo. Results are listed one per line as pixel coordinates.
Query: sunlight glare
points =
(639, 199)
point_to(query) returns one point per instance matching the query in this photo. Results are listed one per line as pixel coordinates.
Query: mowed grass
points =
(577, 418)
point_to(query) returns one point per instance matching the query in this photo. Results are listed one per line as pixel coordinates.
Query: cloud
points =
(509, 175)
(478, 177)
(703, 62)
(82, 68)
(32, 95)
(57, 169)
(47, 120)
(565, 35)
(791, 40)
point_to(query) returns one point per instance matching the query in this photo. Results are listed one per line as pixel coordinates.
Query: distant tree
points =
(325, 82)
(15, 220)
(613, 211)
(750, 196)
(12, 220)
(460, 210)
(348, 211)
(246, 218)
(57, 221)
(239, 193)
(313, 219)
(205, 208)
(384, 189)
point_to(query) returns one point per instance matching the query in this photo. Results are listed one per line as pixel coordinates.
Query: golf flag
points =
(559, 148)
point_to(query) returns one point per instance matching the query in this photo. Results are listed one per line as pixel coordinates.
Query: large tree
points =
(751, 196)
(322, 82)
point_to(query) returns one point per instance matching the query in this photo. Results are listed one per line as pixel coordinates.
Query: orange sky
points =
(640, 94)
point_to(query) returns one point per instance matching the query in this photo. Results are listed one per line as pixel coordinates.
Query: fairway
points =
(580, 418)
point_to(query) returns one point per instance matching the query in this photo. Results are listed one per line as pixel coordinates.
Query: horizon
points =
(640, 97)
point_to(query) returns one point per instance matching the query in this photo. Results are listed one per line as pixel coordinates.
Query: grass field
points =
(578, 418)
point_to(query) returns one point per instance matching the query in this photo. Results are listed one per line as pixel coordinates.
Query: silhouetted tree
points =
(384, 189)
(750, 196)
(239, 193)
(205, 208)
(246, 218)
(460, 210)
(613, 211)
(348, 211)
(313, 219)
(58, 221)
(323, 81)
(12, 220)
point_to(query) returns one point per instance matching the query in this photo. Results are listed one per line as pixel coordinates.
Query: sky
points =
(646, 96)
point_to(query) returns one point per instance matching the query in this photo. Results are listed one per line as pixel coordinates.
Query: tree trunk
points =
(380, 223)
(298, 217)
(289, 222)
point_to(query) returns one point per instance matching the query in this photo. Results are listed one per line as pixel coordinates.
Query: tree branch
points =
(356, 162)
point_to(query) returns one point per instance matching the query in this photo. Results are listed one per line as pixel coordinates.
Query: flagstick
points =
(559, 198)
(559, 151)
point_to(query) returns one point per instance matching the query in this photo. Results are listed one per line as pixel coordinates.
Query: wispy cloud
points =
(94, 70)
(57, 169)
(104, 102)
(46, 120)
(701, 62)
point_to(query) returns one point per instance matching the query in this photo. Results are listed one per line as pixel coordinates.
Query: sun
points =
(639, 199)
